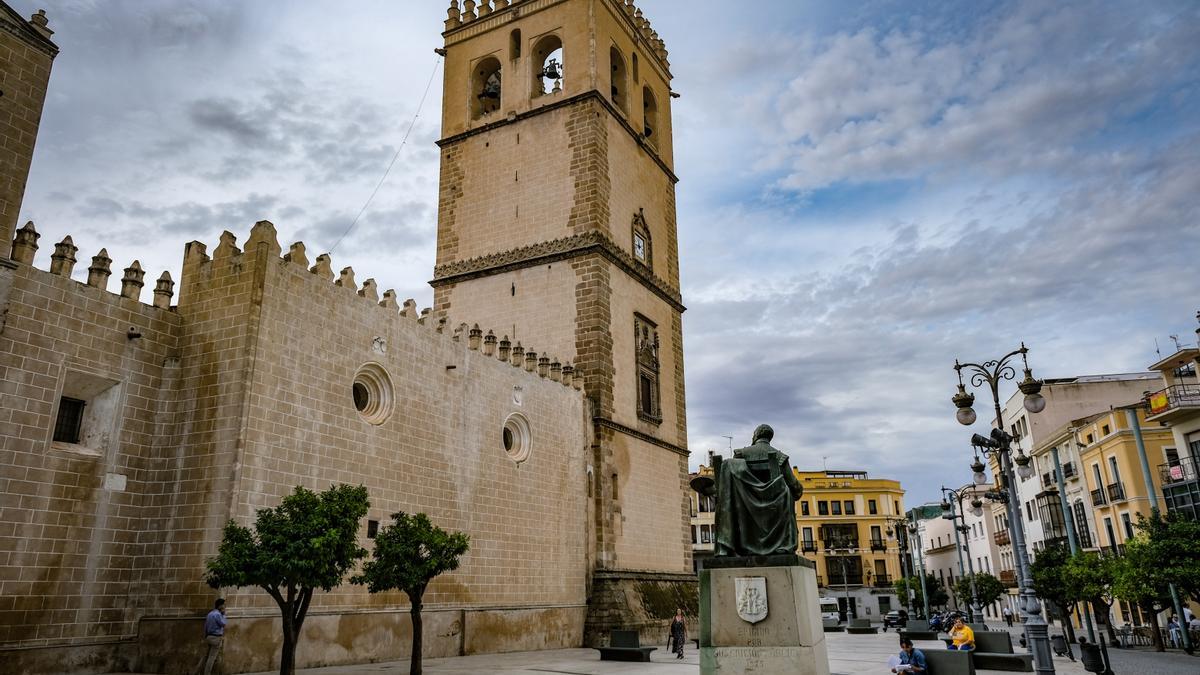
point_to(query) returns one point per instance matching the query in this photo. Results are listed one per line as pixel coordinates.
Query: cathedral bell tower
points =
(556, 221)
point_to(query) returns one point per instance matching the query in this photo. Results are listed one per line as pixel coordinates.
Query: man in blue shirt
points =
(913, 658)
(214, 638)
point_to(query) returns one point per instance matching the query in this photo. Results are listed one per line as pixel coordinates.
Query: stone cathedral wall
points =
(231, 398)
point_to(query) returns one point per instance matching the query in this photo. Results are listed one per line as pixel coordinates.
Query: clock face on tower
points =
(639, 247)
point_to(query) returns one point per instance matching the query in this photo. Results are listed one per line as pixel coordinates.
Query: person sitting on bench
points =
(962, 635)
(911, 660)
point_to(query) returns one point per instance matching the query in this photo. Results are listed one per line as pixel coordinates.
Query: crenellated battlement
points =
(228, 260)
(472, 13)
(62, 263)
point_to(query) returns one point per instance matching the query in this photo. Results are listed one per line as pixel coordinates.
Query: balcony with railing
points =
(1008, 578)
(1116, 492)
(850, 543)
(1181, 471)
(1181, 486)
(1001, 538)
(878, 545)
(1098, 497)
(808, 546)
(1119, 549)
(1170, 404)
(882, 581)
(836, 578)
(1069, 470)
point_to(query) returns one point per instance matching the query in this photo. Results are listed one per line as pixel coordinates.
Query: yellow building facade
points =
(1115, 483)
(844, 519)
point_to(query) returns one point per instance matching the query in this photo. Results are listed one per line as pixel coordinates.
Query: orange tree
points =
(408, 554)
(309, 541)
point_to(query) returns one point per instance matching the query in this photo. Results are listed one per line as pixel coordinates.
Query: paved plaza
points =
(848, 655)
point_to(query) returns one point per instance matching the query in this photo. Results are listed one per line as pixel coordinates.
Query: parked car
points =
(897, 618)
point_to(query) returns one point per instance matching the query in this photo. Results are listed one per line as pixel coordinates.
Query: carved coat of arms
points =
(751, 598)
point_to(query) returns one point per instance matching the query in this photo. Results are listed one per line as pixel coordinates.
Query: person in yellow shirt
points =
(962, 636)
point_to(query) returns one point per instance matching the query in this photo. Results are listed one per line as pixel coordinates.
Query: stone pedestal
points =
(788, 640)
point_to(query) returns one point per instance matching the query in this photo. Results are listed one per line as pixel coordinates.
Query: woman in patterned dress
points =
(678, 633)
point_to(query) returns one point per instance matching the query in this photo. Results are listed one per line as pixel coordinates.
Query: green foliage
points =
(409, 553)
(309, 541)
(1089, 576)
(1050, 581)
(1174, 542)
(937, 592)
(1166, 551)
(987, 587)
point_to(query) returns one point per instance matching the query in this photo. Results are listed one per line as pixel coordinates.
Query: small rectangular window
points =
(70, 420)
(823, 508)
(372, 528)
(647, 397)
(849, 507)
(804, 508)
(837, 507)
(872, 508)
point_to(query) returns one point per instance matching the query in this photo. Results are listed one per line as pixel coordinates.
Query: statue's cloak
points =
(755, 516)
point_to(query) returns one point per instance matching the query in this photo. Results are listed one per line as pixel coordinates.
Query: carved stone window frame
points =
(646, 361)
(638, 228)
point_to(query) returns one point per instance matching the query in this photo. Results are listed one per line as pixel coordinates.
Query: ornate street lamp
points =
(974, 611)
(915, 533)
(897, 529)
(999, 444)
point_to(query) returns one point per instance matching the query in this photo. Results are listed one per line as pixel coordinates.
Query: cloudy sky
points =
(868, 189)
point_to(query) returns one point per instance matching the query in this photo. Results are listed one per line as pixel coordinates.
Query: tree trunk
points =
(287, 657)
(1100, 609)
(1155, 634)
(415, 662)
(1069, 626)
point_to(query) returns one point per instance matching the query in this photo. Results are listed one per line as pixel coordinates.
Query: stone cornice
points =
(630, 431)
(546, 252)
(650, 149)
(26, 33)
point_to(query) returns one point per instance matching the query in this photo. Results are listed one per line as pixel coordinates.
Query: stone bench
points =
(831, 625)
(949, 663)
(994, 651)
(1021, 663)
(918, 630)
(861, 627)
(624, 645)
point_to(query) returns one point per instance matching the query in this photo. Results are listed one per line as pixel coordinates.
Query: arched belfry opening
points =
(547, 65)
(649, 114)
(485, 87)
(619, 89)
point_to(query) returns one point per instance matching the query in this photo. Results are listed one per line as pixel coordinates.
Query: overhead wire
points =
(404, 141)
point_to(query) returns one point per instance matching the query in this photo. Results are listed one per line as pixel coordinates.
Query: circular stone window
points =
(515, 437)
(372, 393)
